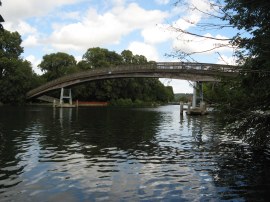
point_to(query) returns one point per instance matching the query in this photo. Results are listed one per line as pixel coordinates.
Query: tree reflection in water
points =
(129, 154)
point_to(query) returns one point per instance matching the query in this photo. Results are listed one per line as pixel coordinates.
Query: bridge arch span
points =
(184, 71)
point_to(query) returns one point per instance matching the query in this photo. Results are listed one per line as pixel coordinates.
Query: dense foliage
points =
(247, 98)
(16, 75)
(254, 18)
(56, 65)
(134, 89)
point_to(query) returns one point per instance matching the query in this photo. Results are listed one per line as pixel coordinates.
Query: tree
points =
(254, 53)
(247, 97)
(254, 49)
(58, 64)
(10, 48)
(127, 56)
(143, 89)
(16, 75)
(101, 58)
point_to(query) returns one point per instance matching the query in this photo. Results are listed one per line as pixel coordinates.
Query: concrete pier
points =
(65, 97)
(197, 110)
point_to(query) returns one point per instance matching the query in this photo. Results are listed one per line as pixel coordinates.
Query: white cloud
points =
(35, 62)
(162, 2)
(73, 15)
(118, 2)
(21, 26)
(193, 11)
(202, 5)
(90, 29)
(156, 34)
(183, 24)
(135, 16)
(191, 44)
(94, 31)
(104, 29)
(147, 50)
(227, 60)
(30, 41)
(14, 10)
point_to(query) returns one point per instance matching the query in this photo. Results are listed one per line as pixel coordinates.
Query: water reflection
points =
(112, 154)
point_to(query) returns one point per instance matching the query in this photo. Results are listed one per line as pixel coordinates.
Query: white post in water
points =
(61, 96)
(181, 108)
(194, 98)
(70, 97)
(188, 108)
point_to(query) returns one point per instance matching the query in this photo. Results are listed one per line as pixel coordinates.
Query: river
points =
(125, 154)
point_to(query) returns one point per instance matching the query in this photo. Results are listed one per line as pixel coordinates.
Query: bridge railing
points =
(126, 68)
(93, 72)
(196, 66)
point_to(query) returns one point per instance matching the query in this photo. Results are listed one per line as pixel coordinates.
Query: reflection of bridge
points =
(174, 70)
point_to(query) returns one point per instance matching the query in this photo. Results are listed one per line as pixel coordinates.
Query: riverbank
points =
(114, 103)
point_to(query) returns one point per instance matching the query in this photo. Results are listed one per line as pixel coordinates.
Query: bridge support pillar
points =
(194, 98)
(197, 88)
(63, 96)
(200, 88)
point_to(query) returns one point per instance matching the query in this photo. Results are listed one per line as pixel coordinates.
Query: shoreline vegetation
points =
(122, 102)
(114, 103)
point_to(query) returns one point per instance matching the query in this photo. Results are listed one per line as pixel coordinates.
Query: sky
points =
(142, 26)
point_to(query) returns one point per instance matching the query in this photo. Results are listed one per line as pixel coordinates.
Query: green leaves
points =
(16, 75)
(16, 81)
(143, 89)
(58, 64)
(101, 58)
(247, 99)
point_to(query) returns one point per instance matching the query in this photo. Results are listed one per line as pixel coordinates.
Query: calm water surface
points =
(112, 154)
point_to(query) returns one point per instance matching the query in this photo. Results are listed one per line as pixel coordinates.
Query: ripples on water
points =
(93, 154)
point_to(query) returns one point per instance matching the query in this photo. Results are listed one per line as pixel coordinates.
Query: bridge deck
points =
(173, 70)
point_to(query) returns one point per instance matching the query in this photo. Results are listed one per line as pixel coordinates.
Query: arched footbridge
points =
(172, 70)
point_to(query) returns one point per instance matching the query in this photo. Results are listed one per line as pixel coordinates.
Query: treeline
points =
(17, 76)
